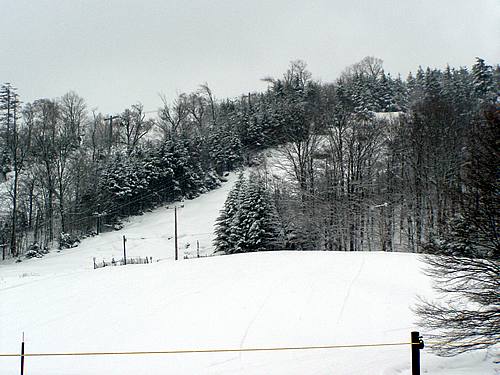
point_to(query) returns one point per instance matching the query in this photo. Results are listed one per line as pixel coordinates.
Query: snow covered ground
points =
(5, 200)
(250, 300)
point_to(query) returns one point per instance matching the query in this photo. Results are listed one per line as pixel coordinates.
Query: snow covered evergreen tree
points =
(385, 94)
(224, 149)
(248, 222)
(224, 222)
(260, 220)
(483, 78)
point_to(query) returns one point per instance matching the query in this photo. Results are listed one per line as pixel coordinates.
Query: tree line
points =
(356, 180)
(371, 162)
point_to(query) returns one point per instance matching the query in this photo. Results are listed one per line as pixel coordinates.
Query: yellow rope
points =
(189, 351)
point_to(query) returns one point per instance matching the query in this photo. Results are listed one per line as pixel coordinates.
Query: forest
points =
(369, 162)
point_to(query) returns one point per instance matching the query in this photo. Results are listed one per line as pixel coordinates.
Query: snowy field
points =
(250, 300)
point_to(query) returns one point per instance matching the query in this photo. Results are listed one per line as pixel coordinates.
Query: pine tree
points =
(432, 84)
(400, 90)
(237, 233)
(385, 94)
(260, 221)
(248, 222)
(224, 149)
(483, 78)
(224, 225)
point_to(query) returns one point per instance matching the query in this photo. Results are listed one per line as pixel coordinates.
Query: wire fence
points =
(415, 344)
(121, 262)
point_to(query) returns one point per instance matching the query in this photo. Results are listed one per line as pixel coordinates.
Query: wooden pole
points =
(416, 345)
(22, 356)
(124, 250)
(197, 248)
(175, 234)
(110, 119)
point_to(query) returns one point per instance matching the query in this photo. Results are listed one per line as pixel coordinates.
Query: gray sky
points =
(119, 52)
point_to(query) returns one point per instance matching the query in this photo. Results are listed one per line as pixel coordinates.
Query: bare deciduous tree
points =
(466, 261)
(135, 126)
(172, 116)
(369, 66)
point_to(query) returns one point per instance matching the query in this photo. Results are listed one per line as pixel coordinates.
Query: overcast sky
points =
(119, 52)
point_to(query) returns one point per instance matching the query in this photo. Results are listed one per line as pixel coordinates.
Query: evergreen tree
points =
(260, 220)
(400, 90)
(483, 78)
(224, 149)
(224, 224)
(432, 84)
(248, 222)
(385, 94)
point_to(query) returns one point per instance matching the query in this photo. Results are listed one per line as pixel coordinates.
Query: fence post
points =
(22, 356)
(197, 248)
(416, 345)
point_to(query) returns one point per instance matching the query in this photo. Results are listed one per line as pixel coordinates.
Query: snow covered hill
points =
(148, 235)
(249, 300)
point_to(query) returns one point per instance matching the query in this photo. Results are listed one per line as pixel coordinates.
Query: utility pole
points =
(97, 216)
(124, 250)
(175, 234)
(110, 119)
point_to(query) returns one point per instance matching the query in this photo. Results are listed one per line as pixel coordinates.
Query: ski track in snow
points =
(348, 293)
(256, 316)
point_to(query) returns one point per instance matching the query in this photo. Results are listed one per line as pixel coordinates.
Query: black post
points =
(124, 250)
(22, 356)
(98, 219)
(416, 345)
(198, 248)
(175, 234)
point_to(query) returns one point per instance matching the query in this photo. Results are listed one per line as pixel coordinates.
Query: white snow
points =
(5, 199)
(248, 300)
(388, 116)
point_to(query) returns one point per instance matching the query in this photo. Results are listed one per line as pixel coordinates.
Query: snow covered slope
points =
(148, 235)
(248, 300)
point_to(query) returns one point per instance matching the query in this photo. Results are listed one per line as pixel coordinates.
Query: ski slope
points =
(148, 235)
(248, 300)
